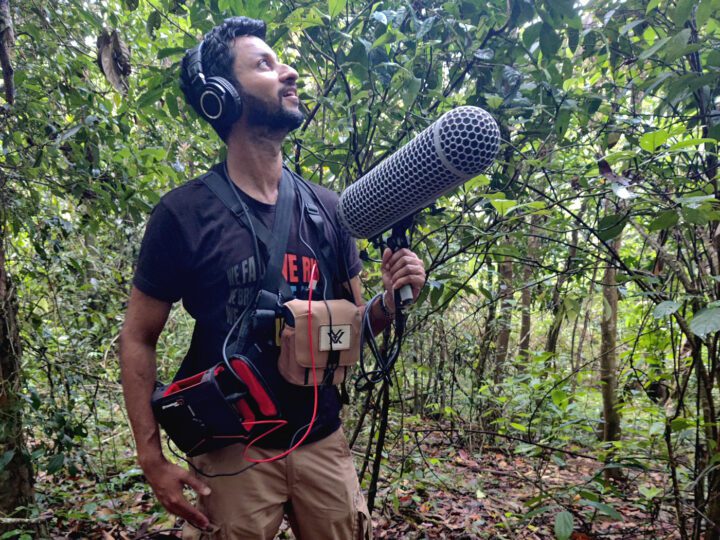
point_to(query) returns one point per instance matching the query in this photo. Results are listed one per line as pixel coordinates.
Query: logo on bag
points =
(335, 338)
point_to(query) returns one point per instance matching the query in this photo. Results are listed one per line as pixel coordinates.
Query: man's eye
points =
(263, 63)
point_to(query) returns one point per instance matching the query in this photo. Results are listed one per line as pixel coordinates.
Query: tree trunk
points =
(526, 295)
(7, 42)
(586, 306)
(16, 477)
(440, 372)
(608, 361)
(504, 319)
(557, 307)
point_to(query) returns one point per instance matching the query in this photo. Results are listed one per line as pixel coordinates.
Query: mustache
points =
(288, 88)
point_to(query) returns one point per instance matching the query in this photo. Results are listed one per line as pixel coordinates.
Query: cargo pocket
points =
(190, 532)
(363, 523)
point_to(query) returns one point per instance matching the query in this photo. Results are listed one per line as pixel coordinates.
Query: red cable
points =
(282, 423)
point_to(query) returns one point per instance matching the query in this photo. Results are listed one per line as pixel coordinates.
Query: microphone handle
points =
(403, 296)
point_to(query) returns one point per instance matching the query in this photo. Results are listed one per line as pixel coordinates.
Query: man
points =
(195, 250)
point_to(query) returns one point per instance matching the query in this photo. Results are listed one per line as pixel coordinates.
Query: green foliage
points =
(610, 132)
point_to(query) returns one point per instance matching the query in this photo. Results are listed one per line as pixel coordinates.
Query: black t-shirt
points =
(196, 251)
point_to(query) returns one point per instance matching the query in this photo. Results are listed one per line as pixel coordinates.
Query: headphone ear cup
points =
(220, 101)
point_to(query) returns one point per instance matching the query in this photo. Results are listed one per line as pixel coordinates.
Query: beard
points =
(278, 118)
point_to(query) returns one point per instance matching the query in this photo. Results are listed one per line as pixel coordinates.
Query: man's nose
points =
(288, 74)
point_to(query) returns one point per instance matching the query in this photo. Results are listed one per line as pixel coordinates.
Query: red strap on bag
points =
(255, 387)
(184, 384)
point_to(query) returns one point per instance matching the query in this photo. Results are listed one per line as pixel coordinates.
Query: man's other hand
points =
(400, 268)
(167, 481)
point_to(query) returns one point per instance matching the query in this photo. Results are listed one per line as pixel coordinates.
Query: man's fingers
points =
(391, 257)
(195, 483)
(403, 260)
(188, 512)
(412, 268)
(386, 256)
(416, 282)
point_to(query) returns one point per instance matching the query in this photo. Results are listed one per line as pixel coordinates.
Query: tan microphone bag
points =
(335, 341)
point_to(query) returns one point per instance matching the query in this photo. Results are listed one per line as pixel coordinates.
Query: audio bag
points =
(215, 408)
(335, 343)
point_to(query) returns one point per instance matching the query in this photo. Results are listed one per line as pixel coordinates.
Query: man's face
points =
(268, 87)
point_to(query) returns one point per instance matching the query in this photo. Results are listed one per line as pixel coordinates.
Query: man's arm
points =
(144, 321)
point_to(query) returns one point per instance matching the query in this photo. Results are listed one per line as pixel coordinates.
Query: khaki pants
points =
(316, 486)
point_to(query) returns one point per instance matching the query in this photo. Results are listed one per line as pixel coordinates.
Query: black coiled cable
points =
(385, 357)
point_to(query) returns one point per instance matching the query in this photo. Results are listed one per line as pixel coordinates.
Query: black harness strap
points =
(275, 242)
(335, 264)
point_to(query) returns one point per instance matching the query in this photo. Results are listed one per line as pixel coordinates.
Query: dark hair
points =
(218, 57)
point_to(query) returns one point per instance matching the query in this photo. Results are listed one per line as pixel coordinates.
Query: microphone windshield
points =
(461, 144)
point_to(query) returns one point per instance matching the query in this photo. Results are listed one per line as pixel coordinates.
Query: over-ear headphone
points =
(216, 99)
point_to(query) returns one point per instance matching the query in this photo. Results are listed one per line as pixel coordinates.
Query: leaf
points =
(503, 206)
(564, 525)
(69, 133)
(693, 201)
(682, 11)
(691, 142)
(664, 220)
(336, 7)
(573, 38)
(611, 226)
(659, 44)
(410, 90)
(6, 458)
(154, 21)
(170, 51)
(649, 492)
(680, 424)
(652, 5)
(56, 463)
(629, 26)
(695, 216)
(663, 309)
(550, 41)
(562, 122)
(705, 321)
(651, 141)
(675, 48)
(604, 509)
(150, 97)
(494, 101)
(559, 397)
(114, 59)
(704, 11)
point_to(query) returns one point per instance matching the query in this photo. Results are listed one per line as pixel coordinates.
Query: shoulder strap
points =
(272, 277)
(222, 189)
(334, 263)
(275, 242)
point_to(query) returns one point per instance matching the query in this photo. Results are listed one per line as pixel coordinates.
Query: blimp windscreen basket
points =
(460, 145)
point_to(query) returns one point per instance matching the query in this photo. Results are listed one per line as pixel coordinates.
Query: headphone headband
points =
(215, 98)
(194, 66)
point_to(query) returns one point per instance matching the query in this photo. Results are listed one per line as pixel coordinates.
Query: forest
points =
(560, 376)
